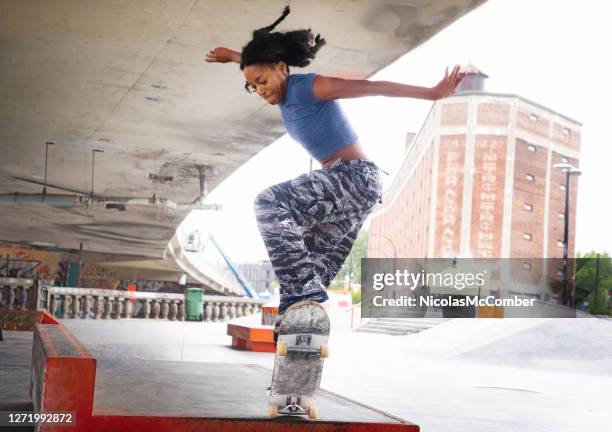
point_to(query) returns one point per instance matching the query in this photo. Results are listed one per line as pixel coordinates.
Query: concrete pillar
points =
(232, 310)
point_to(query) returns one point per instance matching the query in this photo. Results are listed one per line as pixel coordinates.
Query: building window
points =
(528, 207)
(562, 188)
(560, 243)
(527, 236)
(526, 265)
(564, 160)
(529, 177)
(531, 147)
(533, 117)
(567, 131)
(561, 215)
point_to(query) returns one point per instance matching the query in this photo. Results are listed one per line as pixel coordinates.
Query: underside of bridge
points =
(139, 126)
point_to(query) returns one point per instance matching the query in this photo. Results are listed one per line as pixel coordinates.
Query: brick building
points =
(478, 181)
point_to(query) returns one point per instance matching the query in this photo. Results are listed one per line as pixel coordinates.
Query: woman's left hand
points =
(449, 83)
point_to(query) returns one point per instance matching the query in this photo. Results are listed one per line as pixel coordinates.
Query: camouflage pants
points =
(309, 224)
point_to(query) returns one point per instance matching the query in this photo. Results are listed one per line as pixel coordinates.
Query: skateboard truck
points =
(292, 408)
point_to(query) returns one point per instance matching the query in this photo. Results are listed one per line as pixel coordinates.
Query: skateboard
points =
(298, 365)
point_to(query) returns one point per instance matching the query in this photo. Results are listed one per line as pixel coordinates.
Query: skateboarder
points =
(309, 224)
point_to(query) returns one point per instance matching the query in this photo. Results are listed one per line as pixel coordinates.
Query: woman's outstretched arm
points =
(223, 55)
(339, 88)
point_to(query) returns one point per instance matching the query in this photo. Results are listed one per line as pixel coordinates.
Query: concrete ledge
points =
(178, 396)
(24, 320)
(63, 375)
(247, 333)
(281, 424)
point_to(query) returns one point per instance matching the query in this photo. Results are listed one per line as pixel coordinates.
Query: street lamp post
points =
(389, 240)
(93, 163)
(47, 144)
(569, 171)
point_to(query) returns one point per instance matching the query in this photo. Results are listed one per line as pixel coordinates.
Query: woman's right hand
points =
(222, 55)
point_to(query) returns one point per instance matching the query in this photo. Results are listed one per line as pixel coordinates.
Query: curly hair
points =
(295, 48)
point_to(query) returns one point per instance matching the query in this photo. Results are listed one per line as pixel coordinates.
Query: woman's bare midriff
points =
(350, 152)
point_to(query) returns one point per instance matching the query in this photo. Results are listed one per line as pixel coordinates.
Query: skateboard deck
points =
(298, 365)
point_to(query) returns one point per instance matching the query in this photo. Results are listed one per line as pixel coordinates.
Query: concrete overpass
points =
(124, 82)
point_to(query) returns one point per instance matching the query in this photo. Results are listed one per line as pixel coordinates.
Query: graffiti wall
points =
(17, 261)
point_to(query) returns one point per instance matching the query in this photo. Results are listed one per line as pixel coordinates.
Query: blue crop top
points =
(318, 125)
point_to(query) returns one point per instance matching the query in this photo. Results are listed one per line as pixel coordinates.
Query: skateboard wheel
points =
(272, 410)
(281, 349)
(313, 413)
(324, 351)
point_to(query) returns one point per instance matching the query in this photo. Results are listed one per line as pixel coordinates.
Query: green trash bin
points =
(194, 304)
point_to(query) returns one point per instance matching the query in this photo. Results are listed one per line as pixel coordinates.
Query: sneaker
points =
(319, 296)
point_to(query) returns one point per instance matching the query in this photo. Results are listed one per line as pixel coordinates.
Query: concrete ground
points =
(462, 375)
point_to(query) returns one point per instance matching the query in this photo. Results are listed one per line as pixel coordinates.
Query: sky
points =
(550, 52)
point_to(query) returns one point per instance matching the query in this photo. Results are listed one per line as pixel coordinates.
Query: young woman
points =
(309, 224)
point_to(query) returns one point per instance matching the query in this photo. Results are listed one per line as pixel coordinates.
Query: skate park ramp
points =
(144, 394)
(582, 346)
(124, 84)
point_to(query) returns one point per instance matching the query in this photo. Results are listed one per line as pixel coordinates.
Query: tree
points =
(353, 261)
(588, 287)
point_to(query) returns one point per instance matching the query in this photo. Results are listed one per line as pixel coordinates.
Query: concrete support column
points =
(147, 308)
(239, 310)
(232, 310)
